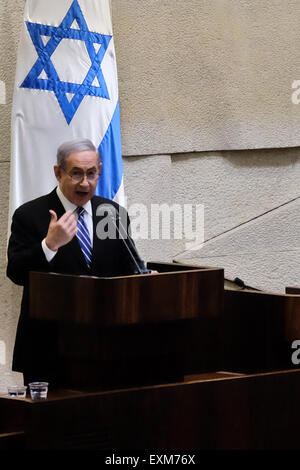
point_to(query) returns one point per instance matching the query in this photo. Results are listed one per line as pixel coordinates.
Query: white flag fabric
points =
(66, 87)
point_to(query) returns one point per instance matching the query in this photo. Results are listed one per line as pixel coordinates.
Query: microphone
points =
(239, 282)
(130, 247)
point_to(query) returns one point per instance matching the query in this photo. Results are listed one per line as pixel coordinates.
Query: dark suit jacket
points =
(29, 227)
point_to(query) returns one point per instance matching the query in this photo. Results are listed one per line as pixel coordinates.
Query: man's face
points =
(79, 163)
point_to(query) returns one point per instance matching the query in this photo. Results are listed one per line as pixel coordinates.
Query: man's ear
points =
(57, 172)
(100, 168)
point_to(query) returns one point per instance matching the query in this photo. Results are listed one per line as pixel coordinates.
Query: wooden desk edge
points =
(66, 394)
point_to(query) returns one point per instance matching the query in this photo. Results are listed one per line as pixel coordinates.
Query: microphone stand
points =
(139, 263)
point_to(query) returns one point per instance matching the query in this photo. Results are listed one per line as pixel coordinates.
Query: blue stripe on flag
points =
(111, 156)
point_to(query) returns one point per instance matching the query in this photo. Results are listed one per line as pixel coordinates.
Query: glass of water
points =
(38, 390)
(17, 391)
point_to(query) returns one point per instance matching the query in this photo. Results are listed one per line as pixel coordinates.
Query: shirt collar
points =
(69, 206)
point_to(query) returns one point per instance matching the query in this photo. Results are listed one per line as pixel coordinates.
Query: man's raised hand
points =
(61, 231)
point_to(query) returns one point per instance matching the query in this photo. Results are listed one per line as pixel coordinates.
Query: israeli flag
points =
(66, 87)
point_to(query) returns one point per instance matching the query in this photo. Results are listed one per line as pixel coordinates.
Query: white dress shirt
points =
(69, 206)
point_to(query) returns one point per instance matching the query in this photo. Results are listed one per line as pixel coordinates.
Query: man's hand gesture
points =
(61, 231)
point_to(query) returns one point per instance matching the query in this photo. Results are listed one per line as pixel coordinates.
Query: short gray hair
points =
(77, 145)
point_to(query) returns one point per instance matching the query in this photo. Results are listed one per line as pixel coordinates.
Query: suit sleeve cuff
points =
(48, 253)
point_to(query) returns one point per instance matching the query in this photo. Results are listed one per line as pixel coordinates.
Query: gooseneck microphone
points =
(133, 251)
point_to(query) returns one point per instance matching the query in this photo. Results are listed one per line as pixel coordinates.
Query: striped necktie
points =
(83, 236)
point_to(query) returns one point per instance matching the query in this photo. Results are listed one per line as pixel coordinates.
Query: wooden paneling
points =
(258, 330)
(217, 411)
(132, 330)
(167, 296)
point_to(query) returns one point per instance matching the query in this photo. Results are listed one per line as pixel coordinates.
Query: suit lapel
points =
(55, 204)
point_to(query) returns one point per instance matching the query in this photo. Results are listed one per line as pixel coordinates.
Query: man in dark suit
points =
(45, 237)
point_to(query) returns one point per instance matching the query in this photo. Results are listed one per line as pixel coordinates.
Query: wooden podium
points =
(128, 331)
(169, 361)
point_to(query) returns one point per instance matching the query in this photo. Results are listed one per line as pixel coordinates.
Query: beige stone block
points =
(10, 294)
(207, 75)
(11, 17)
(235, 187)
(147, 182)
(264, 252)
(10, 301)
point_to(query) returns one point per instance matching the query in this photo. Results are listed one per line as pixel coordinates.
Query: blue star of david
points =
(44, 63)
